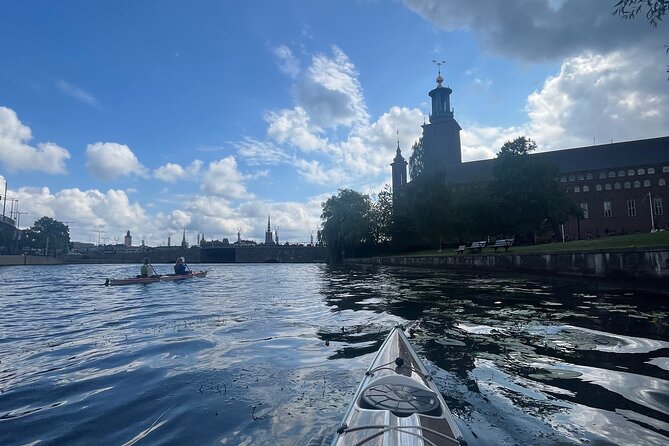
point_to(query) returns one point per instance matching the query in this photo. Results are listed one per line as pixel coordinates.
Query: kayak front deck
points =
(398, 403)
(165, 278)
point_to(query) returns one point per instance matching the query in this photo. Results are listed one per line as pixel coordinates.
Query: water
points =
(271, 354)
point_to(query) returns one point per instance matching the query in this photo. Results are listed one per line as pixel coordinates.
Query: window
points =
(589, 176)
(598, 187)
(631, 208)
(602, 175)
(641, 172)
(577, 189)
(630, 173)
(580, 177)
(612, 174)
(661, 182)
(646, 183)
(637, 184)
(665, 169)
(621, 173)
(608, 213)
(572, 177)
(651, 171)
(657, 206)
(586, 188)
(563, 179)
(628, 184)
(584, 208)
(616, 186)
(607, 186)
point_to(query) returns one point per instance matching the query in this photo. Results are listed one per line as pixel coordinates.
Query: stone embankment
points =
(648, 265)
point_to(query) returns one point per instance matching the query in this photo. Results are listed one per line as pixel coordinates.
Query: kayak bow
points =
(398, 403)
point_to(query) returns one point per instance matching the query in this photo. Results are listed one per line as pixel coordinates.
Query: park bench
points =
(502, 243)
(476, 246)
(461, 249)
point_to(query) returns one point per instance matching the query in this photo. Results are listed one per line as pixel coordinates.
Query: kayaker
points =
(147, 269)
(180, 267)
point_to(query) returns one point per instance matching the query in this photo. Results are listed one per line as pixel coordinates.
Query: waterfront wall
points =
(28, 260)
(629, 264)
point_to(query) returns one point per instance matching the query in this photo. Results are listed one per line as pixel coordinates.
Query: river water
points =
(271, 354)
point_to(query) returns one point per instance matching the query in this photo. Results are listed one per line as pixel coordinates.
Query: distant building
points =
(621, 187)
(268, 234)
(184, 243)
(127, 240)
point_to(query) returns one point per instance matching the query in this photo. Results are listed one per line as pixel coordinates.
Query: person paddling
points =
(180, 268)
(147, 269)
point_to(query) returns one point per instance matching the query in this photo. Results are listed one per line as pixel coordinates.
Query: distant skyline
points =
(156, 117)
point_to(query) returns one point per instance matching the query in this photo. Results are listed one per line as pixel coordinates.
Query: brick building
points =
(621, 187)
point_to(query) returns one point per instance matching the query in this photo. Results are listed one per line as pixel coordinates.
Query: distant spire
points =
(268, 224)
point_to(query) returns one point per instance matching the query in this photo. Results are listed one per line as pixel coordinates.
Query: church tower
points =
(399, 169)
(441, 137)
(268, 234)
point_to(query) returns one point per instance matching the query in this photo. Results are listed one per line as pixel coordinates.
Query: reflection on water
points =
(272, 354)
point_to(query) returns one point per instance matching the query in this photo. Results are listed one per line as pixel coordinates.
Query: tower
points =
(399, 169)
(127, 240)
(184, 243)
(441, 137)
(268, 234)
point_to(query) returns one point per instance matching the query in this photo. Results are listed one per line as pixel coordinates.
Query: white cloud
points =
(172, 173)
(223, 179)
(78, 93)
(295, 128)
(257, 152)
(16, 154)
(286, 61)
(615, 97)
(109, 160)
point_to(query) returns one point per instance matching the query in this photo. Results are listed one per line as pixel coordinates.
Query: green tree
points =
(49, 235)
(345, 224)
(381, 216)
(655, 9)
(525, 194)
(416, 159)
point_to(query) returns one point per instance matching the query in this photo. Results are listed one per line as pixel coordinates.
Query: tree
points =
(525, 193)
(416, 159)
(346, 224)
(381, 216)
(656, 9)
(49, 235)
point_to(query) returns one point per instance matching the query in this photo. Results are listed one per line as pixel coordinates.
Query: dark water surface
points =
(241, 358)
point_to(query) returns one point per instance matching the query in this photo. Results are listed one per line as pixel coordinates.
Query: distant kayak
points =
(165, 278)
(398, 403)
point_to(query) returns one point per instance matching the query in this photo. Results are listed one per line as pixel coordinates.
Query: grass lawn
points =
(658, 239)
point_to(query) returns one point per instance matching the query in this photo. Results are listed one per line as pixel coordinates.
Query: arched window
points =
(607, 186)
(665, 169)
(587, 188)
(563, 179)
(572, 178)
(637, 184)
(630, 173)
(590, 177)
(581, 177)
(651, 171)
(660, 182)
(612, 174)
(602, 175)
(598, 187)
(627, 185)
(616, 186)
(641, 172)
(646, 183)
(577, 189)
(621, 173)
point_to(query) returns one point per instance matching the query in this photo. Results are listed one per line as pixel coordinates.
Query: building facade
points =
(621, 187)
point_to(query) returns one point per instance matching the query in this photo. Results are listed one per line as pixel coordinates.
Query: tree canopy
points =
(346, 224)
(655, 9)
(48, 234)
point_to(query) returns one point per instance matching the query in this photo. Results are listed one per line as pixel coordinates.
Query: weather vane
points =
(439, 64)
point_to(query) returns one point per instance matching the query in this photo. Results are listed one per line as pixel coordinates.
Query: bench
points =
(477, 246)
(502, 243)
(460, 249)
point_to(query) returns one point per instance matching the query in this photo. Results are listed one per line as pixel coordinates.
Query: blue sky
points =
(158, 116)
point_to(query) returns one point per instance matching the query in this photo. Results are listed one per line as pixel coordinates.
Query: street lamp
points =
(4, 203)
(18, 228)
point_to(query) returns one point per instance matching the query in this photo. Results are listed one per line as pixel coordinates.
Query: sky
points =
(163, 116)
